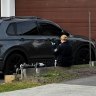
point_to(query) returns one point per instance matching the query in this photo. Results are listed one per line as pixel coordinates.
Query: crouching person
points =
(64, 52)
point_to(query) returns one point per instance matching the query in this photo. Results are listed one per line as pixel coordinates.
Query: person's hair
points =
(64, 38)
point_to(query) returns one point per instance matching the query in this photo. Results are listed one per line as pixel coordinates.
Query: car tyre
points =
(13, 61)
(83, 56)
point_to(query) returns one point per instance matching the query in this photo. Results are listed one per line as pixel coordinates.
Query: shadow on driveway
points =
(1, 78)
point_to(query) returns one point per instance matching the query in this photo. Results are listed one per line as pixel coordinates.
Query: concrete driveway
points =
(89, 81)
(55, 90)
(79, 87)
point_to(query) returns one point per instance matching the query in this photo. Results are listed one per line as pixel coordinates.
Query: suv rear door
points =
(28, 35)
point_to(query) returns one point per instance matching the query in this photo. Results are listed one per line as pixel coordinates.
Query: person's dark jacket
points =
(64, 54)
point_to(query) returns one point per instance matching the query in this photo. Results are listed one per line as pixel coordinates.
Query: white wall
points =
(7, 8)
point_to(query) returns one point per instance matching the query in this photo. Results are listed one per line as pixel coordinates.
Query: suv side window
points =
(49, 29)
(27, 28)
(11, 29)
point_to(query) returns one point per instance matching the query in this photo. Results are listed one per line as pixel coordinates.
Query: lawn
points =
(51, 75)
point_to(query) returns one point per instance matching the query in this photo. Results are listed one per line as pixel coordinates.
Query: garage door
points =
(72, 15)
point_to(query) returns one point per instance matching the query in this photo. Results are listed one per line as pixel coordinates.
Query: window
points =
(49, 29)
(11, 29)
(27, 28)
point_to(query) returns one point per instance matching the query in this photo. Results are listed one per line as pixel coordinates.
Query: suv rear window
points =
(11, 29)
(27, 28)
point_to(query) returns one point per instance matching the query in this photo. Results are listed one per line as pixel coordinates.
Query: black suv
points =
(33, 39)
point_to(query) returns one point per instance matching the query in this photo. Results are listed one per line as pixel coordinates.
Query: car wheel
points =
(83, 56)
(12, 62)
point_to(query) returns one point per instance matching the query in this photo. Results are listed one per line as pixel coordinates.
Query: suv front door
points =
(50, 36)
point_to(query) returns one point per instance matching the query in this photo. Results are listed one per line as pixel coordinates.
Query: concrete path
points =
(90, 81)
(55, 90)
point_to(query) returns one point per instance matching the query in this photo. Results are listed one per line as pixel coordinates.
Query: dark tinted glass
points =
(27, 28)
(11, 29)
(19, 28)
(49, 29)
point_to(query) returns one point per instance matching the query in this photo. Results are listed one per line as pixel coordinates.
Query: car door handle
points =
(22, 39)
(48, 39)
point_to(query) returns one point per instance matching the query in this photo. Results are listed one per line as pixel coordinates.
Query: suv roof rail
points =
(19, 17)
(25, 17)
(5, 18)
